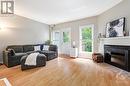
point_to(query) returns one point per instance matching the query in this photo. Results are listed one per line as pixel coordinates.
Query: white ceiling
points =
(58, 11)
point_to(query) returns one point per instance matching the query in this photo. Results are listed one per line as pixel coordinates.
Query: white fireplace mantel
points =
(113, 41)
(113, 38)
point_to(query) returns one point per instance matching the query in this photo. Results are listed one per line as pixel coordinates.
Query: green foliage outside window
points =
(66, 37)
(87, 39)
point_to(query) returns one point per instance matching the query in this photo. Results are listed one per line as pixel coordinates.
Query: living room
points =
(63, 42)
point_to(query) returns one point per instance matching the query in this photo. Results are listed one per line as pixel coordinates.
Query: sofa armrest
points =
(5, 57)
(53, 48)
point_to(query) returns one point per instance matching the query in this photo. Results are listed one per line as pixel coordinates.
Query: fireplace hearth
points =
(117, 55)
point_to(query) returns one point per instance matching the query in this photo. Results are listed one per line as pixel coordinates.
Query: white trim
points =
(80, 28)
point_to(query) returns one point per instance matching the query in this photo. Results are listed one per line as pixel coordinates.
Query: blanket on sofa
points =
(31, 59)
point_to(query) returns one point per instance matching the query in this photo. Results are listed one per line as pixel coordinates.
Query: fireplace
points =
(117, 55)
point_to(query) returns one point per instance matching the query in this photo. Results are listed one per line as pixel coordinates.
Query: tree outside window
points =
(87, 39)
(66, 37)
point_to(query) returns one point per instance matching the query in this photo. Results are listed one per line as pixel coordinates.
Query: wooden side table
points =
(97, 57)
(74, 52)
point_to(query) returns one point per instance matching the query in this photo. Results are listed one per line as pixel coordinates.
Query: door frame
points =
(80, 38)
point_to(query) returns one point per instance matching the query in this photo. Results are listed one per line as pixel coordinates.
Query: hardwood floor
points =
(67, 72)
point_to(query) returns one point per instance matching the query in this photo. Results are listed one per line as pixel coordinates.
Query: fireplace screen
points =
(117, 55)
(118, 58)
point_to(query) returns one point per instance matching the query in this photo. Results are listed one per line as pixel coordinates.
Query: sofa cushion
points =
(27, 48)
(16, 48)
(20, 54)
(46, 47)
(17, 56)
(37, 48)
(49, 54)
(29, 52)
(46, 51)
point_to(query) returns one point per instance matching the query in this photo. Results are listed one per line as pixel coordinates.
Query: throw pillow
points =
(12, 52)
(46, 47)
(37, 48)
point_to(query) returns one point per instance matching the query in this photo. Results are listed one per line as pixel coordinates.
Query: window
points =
(66, 37)
(86, 41)
(56, 38)
(62, 38)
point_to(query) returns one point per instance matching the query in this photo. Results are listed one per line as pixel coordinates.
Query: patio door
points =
(56, 39)
(62, 39)
(86, 40)
(65, 41)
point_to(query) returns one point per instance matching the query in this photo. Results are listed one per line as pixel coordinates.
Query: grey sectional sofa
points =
(12, 59)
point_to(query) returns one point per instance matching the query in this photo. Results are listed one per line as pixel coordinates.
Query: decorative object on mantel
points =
(100, 35)
(116, 28)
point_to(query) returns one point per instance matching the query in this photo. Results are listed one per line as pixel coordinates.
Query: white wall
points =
(74, 25)
(19, 30)
(120, 10)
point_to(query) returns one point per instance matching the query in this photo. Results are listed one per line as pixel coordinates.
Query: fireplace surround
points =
(117, 55)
